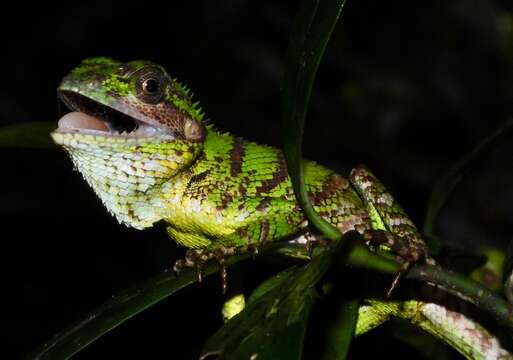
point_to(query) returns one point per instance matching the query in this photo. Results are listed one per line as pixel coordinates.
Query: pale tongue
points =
(79, 120)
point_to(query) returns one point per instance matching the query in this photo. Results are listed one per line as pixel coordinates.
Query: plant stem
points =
(457, 284)
(466, 289)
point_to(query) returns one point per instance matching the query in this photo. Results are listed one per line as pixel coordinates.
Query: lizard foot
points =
(199, 257)
(408, 253)
(314, 240)
(405, 250)
(310, 240)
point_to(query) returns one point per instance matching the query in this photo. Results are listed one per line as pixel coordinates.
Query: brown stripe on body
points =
(236, 156)
(332, 186)
(225, 202)
(264, 231)
(197, 178)
(242, 189)
(264, 204)
(279, 176)
(194, 191)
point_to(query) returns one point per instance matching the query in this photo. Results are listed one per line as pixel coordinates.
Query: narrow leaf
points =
(274, 322)
(27, 135)
(427, 345)
(447, 183)
(313, 28)
(140, 297)
(119, 309)
(275, 281)
(507, 273)
(342, 330)
(490, 274)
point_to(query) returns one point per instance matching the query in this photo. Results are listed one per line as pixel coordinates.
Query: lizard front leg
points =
(199, 257)
(200, 252)
(203, 248)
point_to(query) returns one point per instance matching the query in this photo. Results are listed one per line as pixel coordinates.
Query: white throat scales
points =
(128, 173)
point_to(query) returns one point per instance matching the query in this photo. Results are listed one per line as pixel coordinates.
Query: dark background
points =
(405, 87)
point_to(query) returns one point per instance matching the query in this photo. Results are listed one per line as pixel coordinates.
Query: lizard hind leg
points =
(400, 234)
(397, 245)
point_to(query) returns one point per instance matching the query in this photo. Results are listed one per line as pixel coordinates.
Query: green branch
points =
(313, 27)
(466, 289)
(360, 256)
(139, 297)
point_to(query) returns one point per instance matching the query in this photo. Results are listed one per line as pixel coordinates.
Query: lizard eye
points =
(149, 86)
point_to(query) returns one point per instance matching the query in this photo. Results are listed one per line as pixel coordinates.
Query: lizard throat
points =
(94, 118)
(125, 160)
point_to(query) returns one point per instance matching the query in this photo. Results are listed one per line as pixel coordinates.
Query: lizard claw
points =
(200, 275)
(405, 266)
(199, 257)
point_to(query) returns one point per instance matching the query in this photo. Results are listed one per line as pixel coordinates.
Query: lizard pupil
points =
(151, 86)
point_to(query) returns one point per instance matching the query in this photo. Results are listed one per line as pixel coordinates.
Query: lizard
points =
(142, 144)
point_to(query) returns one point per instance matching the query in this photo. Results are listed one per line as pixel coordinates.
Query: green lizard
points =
(141, 144)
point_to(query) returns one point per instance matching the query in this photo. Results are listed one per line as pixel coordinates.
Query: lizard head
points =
(132, 128)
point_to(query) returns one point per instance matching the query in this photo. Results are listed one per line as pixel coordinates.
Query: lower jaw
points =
(81, 139)
(84, 124)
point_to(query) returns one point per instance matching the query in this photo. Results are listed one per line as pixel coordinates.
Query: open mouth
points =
(91, 117)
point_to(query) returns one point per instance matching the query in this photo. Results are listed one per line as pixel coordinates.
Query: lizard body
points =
(140, 142)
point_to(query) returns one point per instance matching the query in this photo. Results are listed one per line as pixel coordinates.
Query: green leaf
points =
(507, 267)
(447, 183)
(490, 274)
(342, 329)
(460, 259)
(426, 344)
(271, 283)
(507, 273)
(313, 28)
(27, 135)
(119, 309)
(141, 296)
(273, 324)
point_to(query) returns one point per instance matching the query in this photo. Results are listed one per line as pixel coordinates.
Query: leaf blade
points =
(445, 185)
(308, 40)
(120, 308)
(274, 322)
(341, 332)
(35, 135)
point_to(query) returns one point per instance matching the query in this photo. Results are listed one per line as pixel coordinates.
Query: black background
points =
(405, 87)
